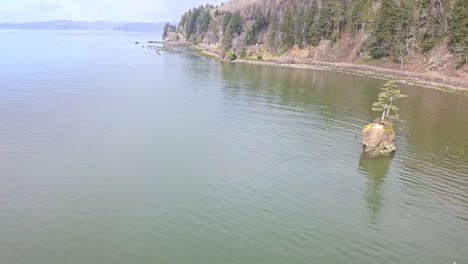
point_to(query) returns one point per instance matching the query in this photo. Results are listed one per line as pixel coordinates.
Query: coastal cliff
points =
(425, 39)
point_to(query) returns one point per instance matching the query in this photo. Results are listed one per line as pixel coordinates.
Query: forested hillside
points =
(429, 32)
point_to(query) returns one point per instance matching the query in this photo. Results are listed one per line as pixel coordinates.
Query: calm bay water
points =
(112, 154)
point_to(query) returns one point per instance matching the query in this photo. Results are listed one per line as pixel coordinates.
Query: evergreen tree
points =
(458, 30)
(236, 25)
(183, 21)
(234, 28)
(331, 20)
(384, 30)
(287, 29)
(226, 20)
(165, 30)
(431, 21)
(228, 37)
(325, 21)
(338, 19)
(250, 37)
(299, 23)
(360, 14)
(203, 21)
(273, 33)
(261, 21)
(311, 29)
(385, 103)
(213, 36)
(192, 22)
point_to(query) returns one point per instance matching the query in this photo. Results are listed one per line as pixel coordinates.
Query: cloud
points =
(44, 5)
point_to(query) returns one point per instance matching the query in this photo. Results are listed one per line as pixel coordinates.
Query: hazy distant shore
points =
(84, 25)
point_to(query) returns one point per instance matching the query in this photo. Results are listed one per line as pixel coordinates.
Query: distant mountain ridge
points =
(83, 25)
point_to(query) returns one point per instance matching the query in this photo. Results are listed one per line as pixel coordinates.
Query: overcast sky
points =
(92, 10)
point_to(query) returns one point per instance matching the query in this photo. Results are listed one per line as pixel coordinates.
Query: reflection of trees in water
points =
(376, 170)
(433, 169)
(334, 95)
(430, 120)
(434, 120)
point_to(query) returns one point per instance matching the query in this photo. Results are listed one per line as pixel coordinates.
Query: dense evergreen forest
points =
(387, 28)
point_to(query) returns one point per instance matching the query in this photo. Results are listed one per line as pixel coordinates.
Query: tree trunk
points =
(388, 110)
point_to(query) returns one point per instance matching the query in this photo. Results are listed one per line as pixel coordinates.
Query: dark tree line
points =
(195, 23)
(232, 27)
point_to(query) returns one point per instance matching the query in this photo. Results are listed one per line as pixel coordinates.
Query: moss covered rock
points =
(378, 139)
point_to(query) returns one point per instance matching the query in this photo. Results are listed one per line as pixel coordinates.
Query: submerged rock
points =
(378, 138)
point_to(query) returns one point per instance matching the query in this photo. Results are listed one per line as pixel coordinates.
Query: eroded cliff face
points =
(438, 62)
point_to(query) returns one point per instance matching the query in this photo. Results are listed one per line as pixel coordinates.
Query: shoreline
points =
(447, 84)
(441, 83)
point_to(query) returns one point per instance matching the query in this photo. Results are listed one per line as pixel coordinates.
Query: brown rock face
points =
(378, 139)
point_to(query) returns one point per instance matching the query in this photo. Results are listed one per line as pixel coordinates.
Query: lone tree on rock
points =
(385, 101)
(378, 137)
